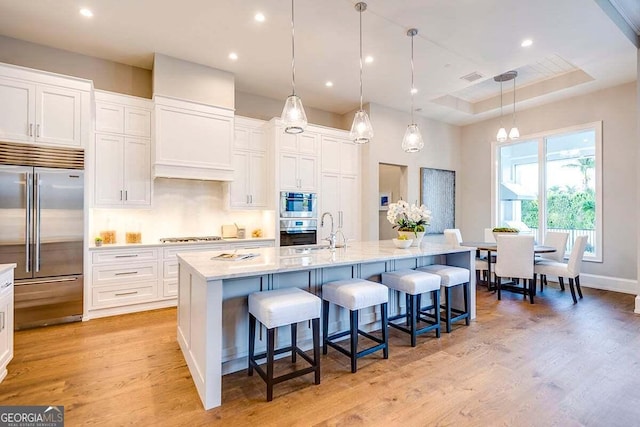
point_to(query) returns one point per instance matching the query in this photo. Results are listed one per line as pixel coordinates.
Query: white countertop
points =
(162, 245)
(5, 267)
(292, 258)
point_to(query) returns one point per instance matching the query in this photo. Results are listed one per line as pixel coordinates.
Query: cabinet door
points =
(137, 171)
(288, 142)
(350, 206)
(137, 122)
(258, 180)
(308, 143)
(242, 138)
(288, 171)
(58, 116)
(109, 117)
(6, 330)
(17, 110)
(330, 199)
(307, 173)
(349, 158)
(109, 170)
(330, 158)
(239, 187)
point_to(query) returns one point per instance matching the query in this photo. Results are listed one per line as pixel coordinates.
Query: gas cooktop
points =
(189, 239)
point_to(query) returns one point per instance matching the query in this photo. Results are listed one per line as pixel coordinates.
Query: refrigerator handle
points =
(28, 185)
(36, 191)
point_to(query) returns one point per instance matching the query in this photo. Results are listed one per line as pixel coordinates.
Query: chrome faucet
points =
(332, 235)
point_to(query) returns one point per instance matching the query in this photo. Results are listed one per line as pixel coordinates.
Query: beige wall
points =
(441, 150)
(260, 107)
(617, 108)
(106, 75)
(194, 82)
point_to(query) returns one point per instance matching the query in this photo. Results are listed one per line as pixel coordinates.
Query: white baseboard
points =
(127, 309)
(606, 283)
(637, 304)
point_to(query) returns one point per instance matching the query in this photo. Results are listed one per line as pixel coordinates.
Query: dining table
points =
(490, 247)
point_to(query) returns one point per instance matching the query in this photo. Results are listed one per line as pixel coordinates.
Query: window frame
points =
(541, 138)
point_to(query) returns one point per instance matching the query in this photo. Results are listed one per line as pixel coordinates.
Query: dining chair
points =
(571, 269)
(558, 241)
(515, 261)
(453, 237)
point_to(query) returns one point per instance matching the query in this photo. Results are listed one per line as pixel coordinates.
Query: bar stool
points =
(283, 307)
(355, 294)
(451, 277)
(414, 283)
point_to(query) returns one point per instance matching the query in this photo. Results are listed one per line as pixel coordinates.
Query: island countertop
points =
(295, 258)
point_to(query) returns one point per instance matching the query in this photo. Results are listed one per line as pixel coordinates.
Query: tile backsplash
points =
(180, 208)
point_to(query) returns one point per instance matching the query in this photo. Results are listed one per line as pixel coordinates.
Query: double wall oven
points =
(298, 218)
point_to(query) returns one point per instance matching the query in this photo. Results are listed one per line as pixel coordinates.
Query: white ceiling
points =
(455, 38)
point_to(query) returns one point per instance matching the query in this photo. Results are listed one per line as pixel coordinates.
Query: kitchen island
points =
(212, 296)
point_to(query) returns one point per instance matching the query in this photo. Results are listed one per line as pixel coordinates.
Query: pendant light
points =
(502, 132)
(361, 130)
(293, 115)
(412, 141)
(514, 133)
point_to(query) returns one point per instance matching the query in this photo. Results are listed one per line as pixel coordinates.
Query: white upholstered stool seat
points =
(414, 283)
(354, 294)
(282, 307)
(451, 277)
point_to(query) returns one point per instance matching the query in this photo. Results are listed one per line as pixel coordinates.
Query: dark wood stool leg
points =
(271, 342)
(447, 297)
(573, 291)
(353, 322)
(413, 309)
(325, 325)
(577, 279)
(294, 341)
(499, 287)
(465, 289)
(385, 330)
(315, 324)
(561, 281)
(252, 342)
(436, 310)
(532, 287)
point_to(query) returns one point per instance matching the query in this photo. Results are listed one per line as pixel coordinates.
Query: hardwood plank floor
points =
(517, 364)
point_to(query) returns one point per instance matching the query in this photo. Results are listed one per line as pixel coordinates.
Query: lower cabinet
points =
(6, 321)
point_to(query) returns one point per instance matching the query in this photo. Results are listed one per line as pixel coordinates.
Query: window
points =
(552, 182)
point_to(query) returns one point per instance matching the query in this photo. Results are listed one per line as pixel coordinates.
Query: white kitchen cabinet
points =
(6, 320)
(39, 113)
(192, 141)
(122, 153)
(122, 168)
(297, 159)
(251, 186)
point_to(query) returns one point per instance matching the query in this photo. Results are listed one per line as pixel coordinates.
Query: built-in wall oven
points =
(300, 231)
(298, 205)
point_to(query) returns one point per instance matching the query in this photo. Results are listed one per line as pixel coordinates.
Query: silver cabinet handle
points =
(126, 196)
(126, 256)
(3, 321)
(6, 285)
(38, 130)
(247, 199)
(30, 129)
(120, 195)
(126, 273)
(126, 293)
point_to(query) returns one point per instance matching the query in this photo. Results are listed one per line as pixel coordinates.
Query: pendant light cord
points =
(293, 50)
(500, 103)
(412, 86)
(360, 10)
(514, 102)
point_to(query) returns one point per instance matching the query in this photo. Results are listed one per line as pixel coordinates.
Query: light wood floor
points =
(552, 363)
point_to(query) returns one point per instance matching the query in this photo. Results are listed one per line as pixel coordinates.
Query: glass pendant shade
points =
(293, 116)
(514, 133)
(361, 130)
(412, 141)
(502, 135)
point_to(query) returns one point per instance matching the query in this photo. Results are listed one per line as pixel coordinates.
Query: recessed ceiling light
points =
(526, 43)
(329, 84)
(414, 90)
(259, 17)
(86, 13)
(368, 59)
(233, 56)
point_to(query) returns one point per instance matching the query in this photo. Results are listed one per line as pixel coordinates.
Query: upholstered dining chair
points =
(453, 237)
(558, 241)
(515, 260)
(571, 269)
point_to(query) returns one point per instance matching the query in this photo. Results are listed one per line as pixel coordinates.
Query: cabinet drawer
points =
(137, 122)
(118, 295)
(170, 288)
(121, 256)
(127, 273)
(6, 282)
(170, 269)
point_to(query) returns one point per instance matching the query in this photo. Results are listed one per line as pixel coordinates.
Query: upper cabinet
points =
(42, 108)
(122, 151)
(297, 158)
(251, 186)
(192, 140)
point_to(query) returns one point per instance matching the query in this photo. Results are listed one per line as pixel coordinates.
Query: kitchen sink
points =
(308, 249)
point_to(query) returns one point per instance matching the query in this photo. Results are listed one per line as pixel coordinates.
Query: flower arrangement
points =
(407, 217)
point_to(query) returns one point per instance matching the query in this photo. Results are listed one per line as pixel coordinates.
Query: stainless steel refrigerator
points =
(41, 230)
